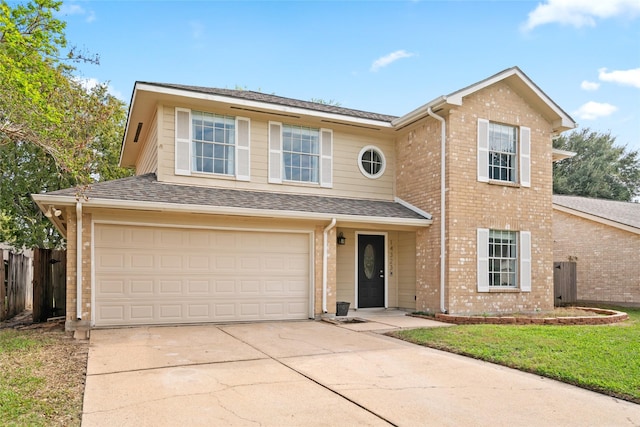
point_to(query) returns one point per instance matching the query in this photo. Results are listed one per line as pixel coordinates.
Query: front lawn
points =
(601, 358)
(42, 378)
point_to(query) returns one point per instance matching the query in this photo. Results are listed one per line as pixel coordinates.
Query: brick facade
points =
(606, 258)
(472, 204)
(72, 321)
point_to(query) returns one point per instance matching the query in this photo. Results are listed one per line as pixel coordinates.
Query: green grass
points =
(601, 358)
(31, 390)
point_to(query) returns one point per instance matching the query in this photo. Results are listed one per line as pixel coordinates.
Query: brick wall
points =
(71, 317)
(472, 204)
(608, 267)
(331, 270)
(418, 182)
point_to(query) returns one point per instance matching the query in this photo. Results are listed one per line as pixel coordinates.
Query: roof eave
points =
(560, 120)
(596, 218)
(559, 155)
(42, 199)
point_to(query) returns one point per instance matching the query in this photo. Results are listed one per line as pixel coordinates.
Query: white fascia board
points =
(598, 219)
(415, 209)
(233, 211)
(261, 105)
(419, 112)
(126, 126)
(558, 154)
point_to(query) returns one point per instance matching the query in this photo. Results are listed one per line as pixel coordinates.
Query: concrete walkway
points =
(317, 374)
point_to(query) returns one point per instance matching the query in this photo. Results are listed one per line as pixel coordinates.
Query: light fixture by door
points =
(341, 239)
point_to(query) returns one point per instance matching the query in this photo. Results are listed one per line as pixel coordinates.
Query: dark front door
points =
(370, 271)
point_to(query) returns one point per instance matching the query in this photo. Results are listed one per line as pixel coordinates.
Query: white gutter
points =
(79, 260)
(325, 258)
(443, 136)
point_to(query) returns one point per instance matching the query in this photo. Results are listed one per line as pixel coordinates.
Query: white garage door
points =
(156, 275)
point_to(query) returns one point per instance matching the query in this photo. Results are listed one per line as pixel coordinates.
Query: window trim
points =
(522, 171)
(183, 146)
(523, 262)
(317, 156)
(383, 160)
(233, 143)
(501, 259)
(515, 155)
(276, 160)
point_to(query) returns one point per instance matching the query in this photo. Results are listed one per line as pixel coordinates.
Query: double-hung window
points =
(301, 153)
(503, 257)
(503, 141)
(207, 143)
(504, 260)
(213, 143)
(504, 153)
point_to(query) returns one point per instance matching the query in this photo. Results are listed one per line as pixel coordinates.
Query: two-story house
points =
(248, 206)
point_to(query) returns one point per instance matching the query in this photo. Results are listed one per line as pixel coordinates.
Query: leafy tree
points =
(600, 169)
(54, 132)
(41, 102)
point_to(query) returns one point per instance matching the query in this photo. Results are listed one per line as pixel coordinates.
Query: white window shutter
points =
(326, 158)
(483, 150)
(183, 142)
(525, 156)
(275, 153)
(483, 259)
(525, 261)
(243, 152)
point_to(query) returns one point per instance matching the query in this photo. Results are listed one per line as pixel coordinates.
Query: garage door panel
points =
(203, 276)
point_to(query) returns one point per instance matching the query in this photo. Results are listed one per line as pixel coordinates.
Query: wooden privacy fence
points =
(15, 279)
(565, 289)
(49, 284)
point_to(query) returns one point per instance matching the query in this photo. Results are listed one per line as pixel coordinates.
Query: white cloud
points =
(586, 85)
(593, 110)
(580, 13)
(89, 83)
(76, 9)
(72, 9)
(623, 77)
(390, 58)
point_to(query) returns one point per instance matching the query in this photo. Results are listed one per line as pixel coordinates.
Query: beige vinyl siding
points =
(406, 270)
(347, 179)
(392, 268)
(345, 266)
(147, 161)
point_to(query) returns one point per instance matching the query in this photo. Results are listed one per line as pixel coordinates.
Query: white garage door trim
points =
(255, 309)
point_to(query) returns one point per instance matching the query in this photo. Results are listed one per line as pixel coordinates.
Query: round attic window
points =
(371, 162)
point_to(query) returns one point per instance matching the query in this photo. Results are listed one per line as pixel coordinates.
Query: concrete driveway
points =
(314, 374)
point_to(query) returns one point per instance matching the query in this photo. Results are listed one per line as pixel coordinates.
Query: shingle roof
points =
(278, 100)
(625, 213)
(146, 188)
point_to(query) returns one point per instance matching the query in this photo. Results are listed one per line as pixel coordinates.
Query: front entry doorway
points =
(371, 270)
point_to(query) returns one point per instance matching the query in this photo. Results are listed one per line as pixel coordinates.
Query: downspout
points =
(79, 260)
(443, 135)
(325, 258)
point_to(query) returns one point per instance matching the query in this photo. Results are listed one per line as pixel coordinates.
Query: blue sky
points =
(382, 56)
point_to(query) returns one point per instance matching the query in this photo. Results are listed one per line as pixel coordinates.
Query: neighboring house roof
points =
(624, 215)
(145, 192)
